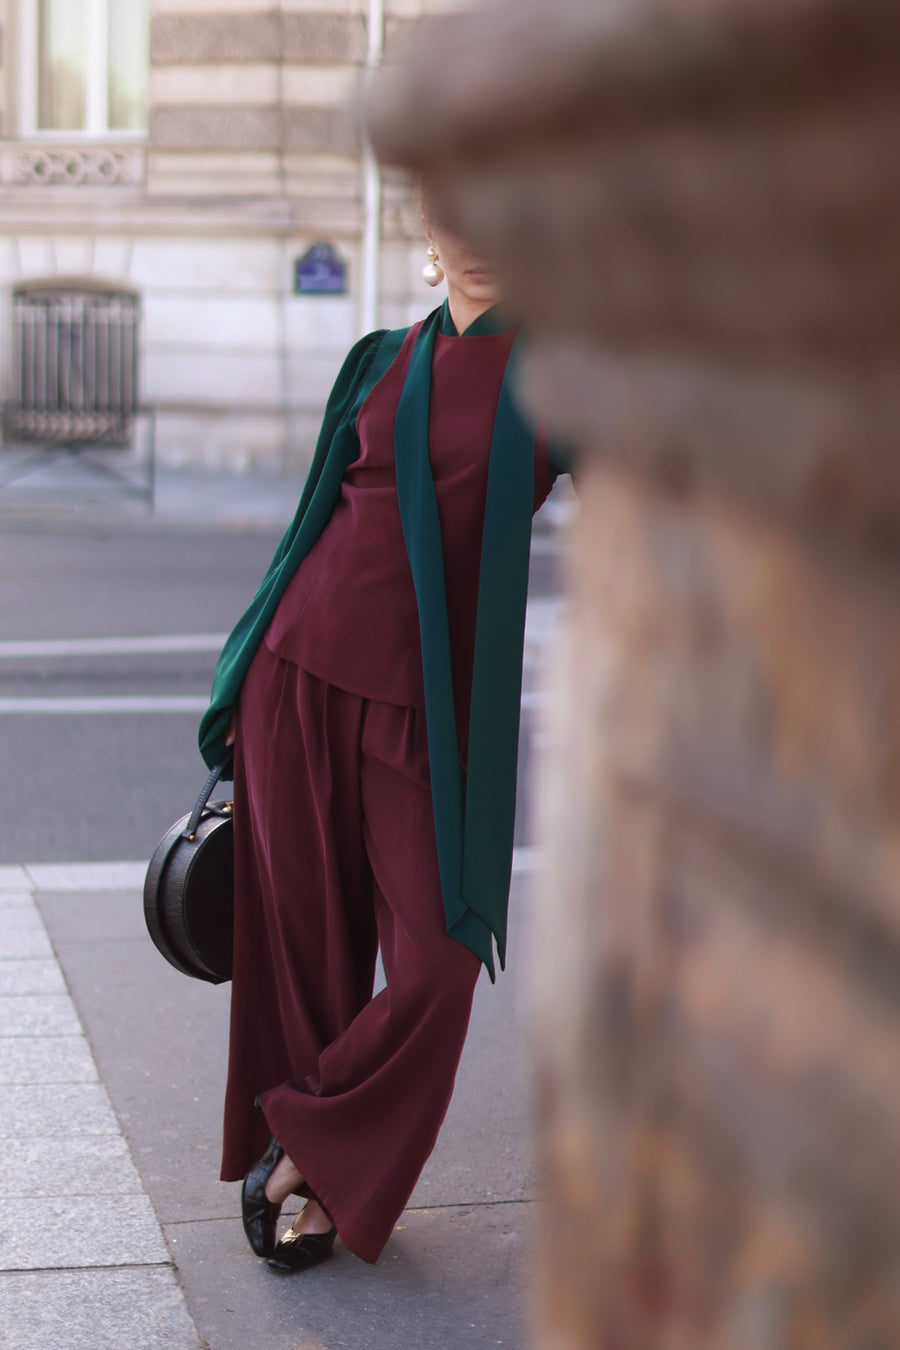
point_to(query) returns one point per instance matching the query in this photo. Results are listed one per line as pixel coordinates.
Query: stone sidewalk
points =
(100, 1039)
(84, 1260)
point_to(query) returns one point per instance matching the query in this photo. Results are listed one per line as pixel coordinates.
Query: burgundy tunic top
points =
(349, 613)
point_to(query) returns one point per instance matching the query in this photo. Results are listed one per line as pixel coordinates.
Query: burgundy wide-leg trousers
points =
(335, 857)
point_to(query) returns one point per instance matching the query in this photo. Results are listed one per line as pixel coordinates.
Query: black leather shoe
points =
(299, 1251)
(259, 1214)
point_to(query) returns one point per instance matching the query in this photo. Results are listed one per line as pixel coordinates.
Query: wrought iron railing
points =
(75, 394)
(75, 365)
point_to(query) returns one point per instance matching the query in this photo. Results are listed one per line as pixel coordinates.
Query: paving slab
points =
(38, 1015)
(14, 881)
(46, 1059)
(102, 876)
(22, 935)
(90, 1165)
(66, 1232)
(96, 1310)
(71, 1197)
(60, 1109)
(31, 976)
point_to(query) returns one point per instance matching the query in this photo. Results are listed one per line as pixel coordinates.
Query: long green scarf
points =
(475, 818)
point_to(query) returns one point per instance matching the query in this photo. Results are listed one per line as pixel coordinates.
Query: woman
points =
(371, 693)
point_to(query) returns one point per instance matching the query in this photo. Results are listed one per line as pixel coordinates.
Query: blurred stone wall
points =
(695, 209)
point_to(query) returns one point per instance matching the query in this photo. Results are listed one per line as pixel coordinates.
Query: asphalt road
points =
(103, 786)
(86, 786)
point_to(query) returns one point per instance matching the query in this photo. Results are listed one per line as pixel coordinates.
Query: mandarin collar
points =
(493, 320)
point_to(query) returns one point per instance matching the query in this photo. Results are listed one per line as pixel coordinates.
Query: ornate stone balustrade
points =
(52, 164)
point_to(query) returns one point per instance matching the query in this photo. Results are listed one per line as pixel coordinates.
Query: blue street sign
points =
(320, 272)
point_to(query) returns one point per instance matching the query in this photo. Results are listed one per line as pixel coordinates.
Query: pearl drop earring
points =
(432, 272)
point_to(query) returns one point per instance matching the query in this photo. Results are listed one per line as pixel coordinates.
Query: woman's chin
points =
(484, 291)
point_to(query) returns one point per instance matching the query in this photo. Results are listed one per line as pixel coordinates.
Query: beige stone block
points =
(309, 376)
(330, 131)
(220, 126)
(416, 9)
(191, 376)
(401, 273)
(74, 257)
(360, 7)
(37, 259)
(193, 83)
(213, 188)
(112, 258)
(324, 175)
(394, 268)
(325, 218)
(182, 7)
(9, 260)
(192, 163)
(189, 174)
(398, 314)
(321, 86)
(302, 430)
(320, 321)
(319, 35)
(212, 37)
(244, 322)
(235, 441)
(324, 37)
(197, 265)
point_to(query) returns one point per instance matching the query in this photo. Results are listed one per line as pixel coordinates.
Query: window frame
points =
(96, 126)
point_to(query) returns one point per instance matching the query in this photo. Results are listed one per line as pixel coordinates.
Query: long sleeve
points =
(335, 448)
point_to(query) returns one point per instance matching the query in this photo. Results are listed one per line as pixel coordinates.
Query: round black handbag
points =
(189, 889)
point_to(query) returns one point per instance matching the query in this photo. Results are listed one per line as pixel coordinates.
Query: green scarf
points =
(474, 819)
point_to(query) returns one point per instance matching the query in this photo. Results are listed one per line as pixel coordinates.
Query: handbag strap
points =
(215, 774)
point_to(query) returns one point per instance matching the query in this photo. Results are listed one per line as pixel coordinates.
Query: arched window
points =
(84, 67)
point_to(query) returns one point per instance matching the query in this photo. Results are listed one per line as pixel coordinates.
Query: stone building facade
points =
(192, 151)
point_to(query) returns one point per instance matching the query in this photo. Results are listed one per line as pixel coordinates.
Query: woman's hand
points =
(231, 730)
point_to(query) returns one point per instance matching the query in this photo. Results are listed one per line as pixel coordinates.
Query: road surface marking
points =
(113, 646)
(160, 703)
(176, 703)
(541, 617)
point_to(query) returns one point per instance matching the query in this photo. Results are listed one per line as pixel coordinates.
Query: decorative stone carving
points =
(73, 166)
